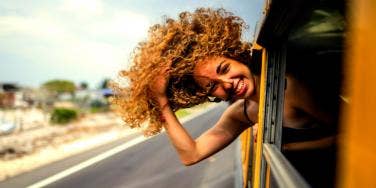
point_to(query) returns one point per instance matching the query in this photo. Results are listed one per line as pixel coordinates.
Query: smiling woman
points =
(177, 45)
(225, 78)
(189, 61)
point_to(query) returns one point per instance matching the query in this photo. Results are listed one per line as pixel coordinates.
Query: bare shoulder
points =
(236, 113)
(232, 122)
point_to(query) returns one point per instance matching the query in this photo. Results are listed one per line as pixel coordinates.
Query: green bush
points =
(63, 115)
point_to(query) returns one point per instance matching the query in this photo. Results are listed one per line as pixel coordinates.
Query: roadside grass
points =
(188, 111)
(182, 113)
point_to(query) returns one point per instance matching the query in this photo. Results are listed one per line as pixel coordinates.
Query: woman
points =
(192, 60)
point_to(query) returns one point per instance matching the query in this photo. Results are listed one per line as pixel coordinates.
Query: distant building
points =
(11, 96)
(8, 94)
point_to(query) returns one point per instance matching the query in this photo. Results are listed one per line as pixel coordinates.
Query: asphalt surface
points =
(152, 163)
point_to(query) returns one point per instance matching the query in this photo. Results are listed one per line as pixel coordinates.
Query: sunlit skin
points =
(231, 123)
(228, 79)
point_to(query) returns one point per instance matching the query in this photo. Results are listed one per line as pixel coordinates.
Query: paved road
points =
(152, 163)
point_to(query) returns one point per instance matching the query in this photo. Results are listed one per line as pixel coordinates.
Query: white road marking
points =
(87, 163)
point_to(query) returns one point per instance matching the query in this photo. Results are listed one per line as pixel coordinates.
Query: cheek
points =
(200, 82)
(251, 87)
(220, 93)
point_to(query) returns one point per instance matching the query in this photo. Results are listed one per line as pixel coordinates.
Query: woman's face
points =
(224, 78)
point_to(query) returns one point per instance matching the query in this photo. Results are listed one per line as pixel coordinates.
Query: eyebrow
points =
(220, 66)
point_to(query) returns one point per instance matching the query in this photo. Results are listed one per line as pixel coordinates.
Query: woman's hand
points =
(159, 86)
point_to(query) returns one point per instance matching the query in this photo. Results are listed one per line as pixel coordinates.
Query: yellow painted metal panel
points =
(358, 143)
(267, 179)
(260, 129)
(245, 138)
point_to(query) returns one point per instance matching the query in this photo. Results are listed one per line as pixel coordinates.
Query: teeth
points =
(240, 86)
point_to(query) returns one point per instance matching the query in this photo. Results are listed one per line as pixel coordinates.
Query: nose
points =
(222, 88)
(227, 84)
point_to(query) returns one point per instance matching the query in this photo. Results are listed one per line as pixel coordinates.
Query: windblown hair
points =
(178, 44)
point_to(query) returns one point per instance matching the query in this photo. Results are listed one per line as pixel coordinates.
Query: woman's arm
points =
(191, 151)
(229, 126)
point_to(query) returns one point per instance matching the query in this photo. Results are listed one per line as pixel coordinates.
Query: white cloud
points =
(83, 8)
(31, 26)
(96, 44)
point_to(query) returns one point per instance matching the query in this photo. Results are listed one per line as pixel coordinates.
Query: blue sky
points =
(86, 40)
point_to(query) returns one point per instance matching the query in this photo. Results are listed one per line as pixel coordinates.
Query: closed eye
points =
(219, 67)
(225, 68)
(211, 87)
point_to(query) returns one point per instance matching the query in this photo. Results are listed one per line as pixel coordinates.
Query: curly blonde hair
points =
(178, 44)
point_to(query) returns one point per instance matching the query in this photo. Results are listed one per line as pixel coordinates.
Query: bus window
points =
(307, 40)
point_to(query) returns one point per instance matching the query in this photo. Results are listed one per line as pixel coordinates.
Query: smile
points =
(240, 88)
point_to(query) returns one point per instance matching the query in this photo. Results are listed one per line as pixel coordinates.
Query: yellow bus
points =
(325, 41)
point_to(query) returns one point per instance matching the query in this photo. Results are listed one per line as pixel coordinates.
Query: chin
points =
(249, 93)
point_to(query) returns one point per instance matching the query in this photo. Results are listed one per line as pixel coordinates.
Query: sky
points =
(87, 40)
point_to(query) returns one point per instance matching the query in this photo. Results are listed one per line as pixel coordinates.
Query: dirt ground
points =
(23, 151)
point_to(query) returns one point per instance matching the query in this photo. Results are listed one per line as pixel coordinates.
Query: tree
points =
(106, 91)
(60, 86)
(104, 83)
(84, 85)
